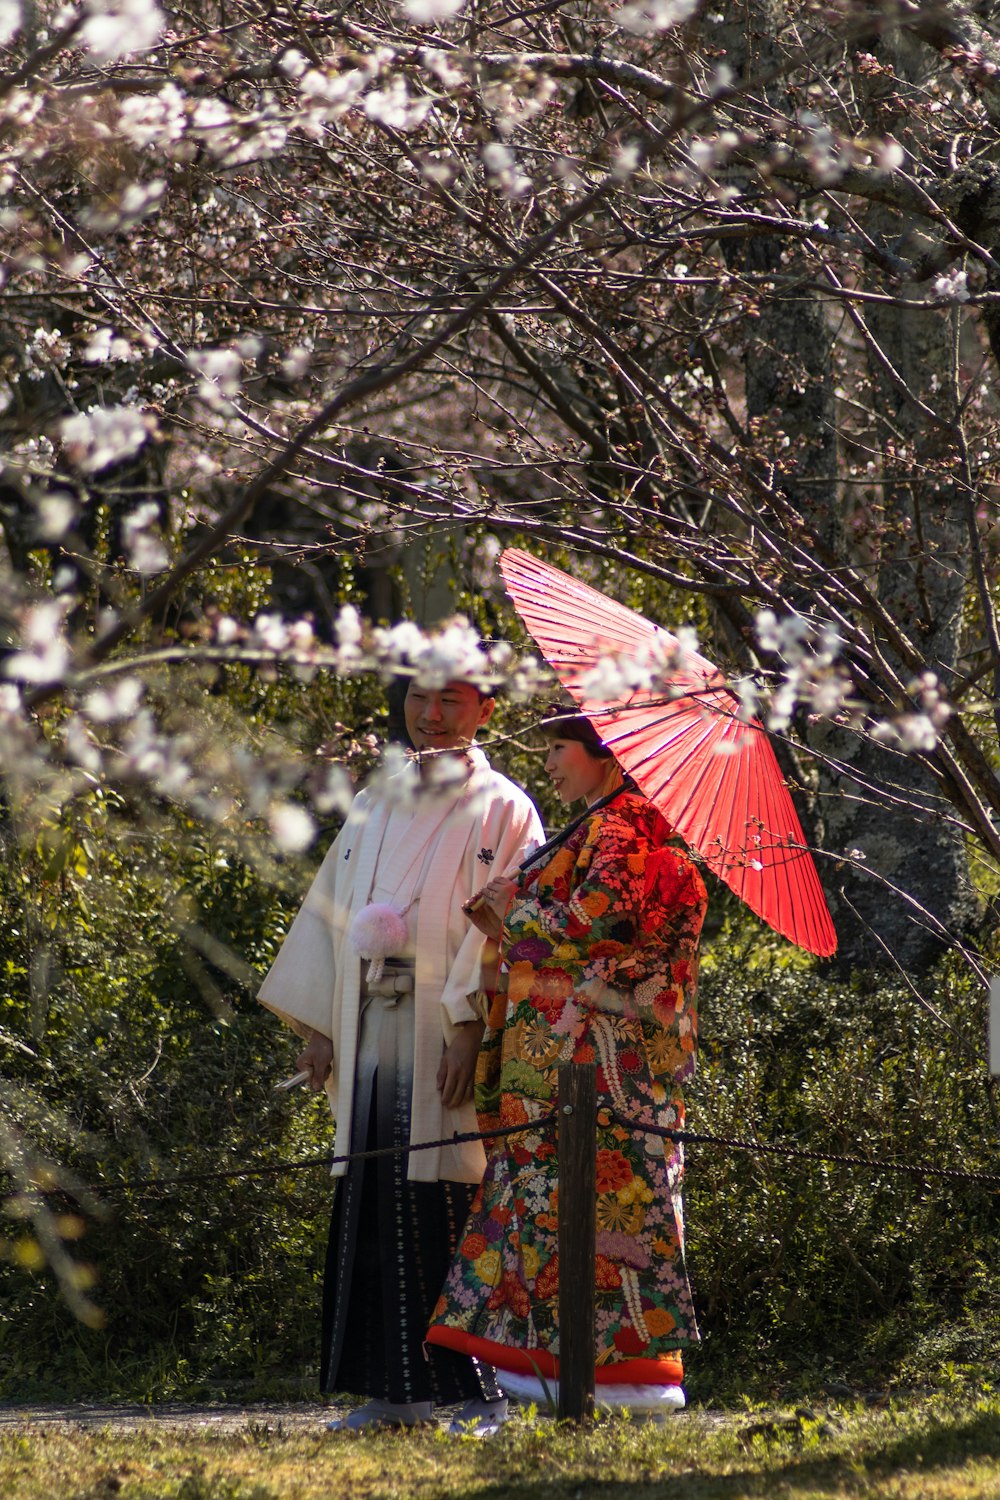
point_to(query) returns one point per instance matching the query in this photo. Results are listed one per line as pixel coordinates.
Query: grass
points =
(918, 1449)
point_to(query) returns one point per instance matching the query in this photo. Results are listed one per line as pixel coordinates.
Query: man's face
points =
(444, 718)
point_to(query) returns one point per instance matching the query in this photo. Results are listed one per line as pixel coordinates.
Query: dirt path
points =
(302, 1416)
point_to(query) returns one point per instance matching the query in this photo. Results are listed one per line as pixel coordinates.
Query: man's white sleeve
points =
(509, 832)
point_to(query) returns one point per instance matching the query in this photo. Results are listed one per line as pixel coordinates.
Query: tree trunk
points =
(792, 410)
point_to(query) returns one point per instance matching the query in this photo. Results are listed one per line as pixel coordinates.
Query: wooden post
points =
(577, 1238)
(995, 1026)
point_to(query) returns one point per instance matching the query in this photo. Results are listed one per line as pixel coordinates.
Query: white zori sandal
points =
(376, 1414)
(654, 1402)
(479, 1419)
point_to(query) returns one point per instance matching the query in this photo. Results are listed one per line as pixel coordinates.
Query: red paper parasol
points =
(711, 773)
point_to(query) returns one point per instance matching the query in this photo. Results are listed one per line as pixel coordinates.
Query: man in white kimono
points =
(380, 972)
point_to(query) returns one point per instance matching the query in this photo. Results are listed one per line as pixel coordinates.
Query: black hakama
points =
(391, 1241)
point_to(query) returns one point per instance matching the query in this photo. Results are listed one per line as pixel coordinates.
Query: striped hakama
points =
(391, 1240)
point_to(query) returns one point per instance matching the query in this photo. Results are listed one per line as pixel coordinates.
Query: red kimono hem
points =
(668, 1369)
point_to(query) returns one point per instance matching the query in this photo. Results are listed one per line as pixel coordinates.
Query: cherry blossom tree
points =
(701, 297)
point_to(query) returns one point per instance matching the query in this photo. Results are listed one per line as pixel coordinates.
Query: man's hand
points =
(317, 1056)
(457, 1072)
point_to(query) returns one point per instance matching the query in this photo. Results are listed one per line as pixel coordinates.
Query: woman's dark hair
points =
(564, 724)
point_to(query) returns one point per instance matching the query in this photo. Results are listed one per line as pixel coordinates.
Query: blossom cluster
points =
(171, 123)
(952, 286)
(664, 663)
(647, 17)
(113, 729)
(812, 675)
(438, 657)
(103, 435)
(917, 729)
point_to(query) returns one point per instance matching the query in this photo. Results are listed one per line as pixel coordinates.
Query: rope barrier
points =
(678, 1137)
(275, 1169)
(771, 1148)
(545, 1122)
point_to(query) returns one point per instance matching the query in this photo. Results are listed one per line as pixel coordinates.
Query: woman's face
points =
(573, 771)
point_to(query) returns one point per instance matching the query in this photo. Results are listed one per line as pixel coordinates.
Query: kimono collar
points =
(404, 785)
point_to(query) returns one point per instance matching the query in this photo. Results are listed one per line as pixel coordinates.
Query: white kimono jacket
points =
(454, 844)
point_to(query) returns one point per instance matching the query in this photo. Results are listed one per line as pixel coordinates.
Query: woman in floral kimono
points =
(600, 950)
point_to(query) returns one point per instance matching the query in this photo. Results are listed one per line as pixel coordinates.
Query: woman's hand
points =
(317, 1057)
(488, 907)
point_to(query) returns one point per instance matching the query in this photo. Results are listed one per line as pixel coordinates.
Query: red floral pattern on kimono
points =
(601, 953)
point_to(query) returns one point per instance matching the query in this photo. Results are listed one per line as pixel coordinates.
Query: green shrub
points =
(147, 1062)
(817, 1270)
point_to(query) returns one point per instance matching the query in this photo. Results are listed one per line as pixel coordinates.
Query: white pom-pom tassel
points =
(376, 933)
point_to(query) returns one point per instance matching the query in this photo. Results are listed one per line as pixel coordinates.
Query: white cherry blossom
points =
(647, 17)
(143, 541)
(953, 286)
(426, 12)
(292, 827)
(103, 435)
(153, 119)
(56, 514)
(272, 632)
(116, 28)
(10, 20)
(119, 700)
(45, 653)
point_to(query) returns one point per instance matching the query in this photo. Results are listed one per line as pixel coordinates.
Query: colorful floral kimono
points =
(600, 965)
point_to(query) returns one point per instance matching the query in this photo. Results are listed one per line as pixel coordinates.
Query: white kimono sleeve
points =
(510, 830)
